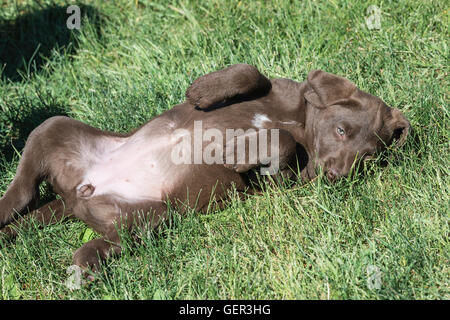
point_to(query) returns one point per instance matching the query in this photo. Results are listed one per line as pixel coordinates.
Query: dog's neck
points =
(297, 117)
(303, 115)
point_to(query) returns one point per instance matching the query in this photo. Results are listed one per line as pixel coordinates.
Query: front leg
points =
(271, 150)
(235, 83)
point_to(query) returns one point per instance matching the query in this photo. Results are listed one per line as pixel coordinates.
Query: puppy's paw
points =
(203, 103)
(6, 237)
(240, 168)
(198, 94)
(8, 232)
(87, 259)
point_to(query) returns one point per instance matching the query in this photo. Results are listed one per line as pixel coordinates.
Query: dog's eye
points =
(340, 131)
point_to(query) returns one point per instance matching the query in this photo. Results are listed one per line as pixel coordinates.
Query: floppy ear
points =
(397, 126)
(328, 89)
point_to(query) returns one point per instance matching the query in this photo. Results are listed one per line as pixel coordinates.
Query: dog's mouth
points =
(330, 172)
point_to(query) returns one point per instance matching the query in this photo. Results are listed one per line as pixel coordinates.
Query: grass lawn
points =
(384, 235)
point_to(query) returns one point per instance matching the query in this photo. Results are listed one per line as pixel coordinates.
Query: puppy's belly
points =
(137, 170)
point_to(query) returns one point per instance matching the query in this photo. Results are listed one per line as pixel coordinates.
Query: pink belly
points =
(134, 168)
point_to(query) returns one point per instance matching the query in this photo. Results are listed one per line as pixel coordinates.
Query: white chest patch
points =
(260, 119)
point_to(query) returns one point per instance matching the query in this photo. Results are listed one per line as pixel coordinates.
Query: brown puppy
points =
(181, 156)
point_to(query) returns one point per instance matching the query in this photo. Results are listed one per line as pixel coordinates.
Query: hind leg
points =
(110, 217)
(52, 212)
(58, 151)
(23, 193)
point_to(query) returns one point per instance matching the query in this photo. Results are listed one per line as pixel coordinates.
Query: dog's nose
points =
(332, 174)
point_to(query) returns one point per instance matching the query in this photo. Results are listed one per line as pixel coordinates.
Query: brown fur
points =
(307, 114)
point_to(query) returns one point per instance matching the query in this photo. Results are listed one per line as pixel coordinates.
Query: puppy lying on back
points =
(235, 125)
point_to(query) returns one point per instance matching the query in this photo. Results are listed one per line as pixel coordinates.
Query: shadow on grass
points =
(19, 125)
(27, 41)
(26, 44)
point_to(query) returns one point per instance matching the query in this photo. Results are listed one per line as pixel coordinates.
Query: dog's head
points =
(348, 125)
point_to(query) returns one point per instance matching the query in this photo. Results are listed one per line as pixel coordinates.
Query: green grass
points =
(314, 241)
